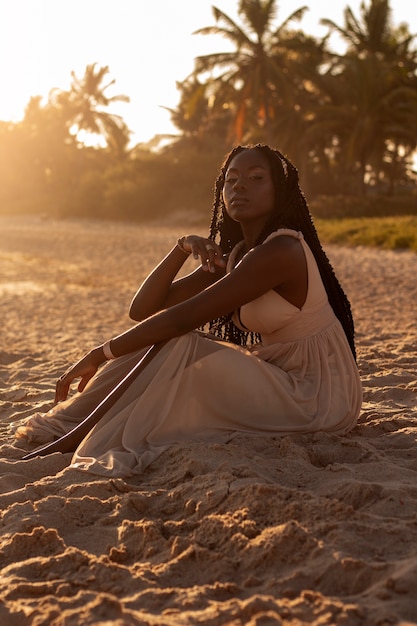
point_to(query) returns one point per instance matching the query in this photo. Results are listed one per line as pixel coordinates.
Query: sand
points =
(307, 529)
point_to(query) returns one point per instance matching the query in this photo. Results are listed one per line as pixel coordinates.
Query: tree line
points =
(348, 121)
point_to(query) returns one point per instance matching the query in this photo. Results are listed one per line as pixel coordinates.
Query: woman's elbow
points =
(135, 313)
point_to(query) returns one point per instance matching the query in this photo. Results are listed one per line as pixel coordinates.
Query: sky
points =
(148, 46)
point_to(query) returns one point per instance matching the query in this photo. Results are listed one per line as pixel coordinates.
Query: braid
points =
(291, 212)
(230, 234)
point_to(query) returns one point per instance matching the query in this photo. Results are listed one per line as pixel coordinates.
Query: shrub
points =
(334, 207)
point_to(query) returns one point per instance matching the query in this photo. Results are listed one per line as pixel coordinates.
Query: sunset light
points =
(208, 357)
(148, 47)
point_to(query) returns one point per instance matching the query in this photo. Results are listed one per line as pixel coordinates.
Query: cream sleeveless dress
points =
(302, 378)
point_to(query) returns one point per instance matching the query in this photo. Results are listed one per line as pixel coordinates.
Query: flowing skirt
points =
(200, 389)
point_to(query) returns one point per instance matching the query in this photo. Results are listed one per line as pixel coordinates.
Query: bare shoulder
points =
(282, 248)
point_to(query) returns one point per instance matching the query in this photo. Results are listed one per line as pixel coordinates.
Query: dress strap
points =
(297, 234)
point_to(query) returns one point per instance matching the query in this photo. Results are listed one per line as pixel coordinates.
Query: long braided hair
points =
(291, 211)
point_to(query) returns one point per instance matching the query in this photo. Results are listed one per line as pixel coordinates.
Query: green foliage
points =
(352, 118)
(147, 186)
(340, 206)
(349, 123)
(86, 200)
(382, 232)
(381, 221)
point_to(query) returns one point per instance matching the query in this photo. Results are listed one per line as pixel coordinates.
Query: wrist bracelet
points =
(108, 351)
(180, 244)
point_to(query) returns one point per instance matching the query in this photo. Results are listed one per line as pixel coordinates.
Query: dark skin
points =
(167, 308)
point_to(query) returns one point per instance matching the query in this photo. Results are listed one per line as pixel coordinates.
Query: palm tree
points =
(377, 79)
(84, 105)
(363, 112)
(373, 32)
(249, 79)
(194, 115)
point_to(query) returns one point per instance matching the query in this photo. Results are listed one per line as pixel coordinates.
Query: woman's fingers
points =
(61, 389)
(84, 369)
(208, 251)
(214, 256)
(85, 380)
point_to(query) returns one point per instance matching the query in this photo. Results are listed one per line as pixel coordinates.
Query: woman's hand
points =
(85, 369)
(207, 250)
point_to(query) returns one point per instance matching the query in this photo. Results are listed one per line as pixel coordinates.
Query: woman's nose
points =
(239, 183)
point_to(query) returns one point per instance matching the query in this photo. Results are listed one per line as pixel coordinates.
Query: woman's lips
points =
(236, 200)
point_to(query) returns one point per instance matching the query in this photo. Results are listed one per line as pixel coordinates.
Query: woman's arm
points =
(280, 261)
(278, 264)
(160, 290)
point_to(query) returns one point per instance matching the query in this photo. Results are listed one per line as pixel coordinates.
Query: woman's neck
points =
(255, 231)
(251, 236)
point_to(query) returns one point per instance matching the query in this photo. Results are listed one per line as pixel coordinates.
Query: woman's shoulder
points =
(282, 243)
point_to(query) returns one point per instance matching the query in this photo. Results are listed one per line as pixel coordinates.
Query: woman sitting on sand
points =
(279, 357)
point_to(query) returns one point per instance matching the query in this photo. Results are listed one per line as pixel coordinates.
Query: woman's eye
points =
(232, 180)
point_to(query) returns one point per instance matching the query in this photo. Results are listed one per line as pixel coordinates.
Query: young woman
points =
(279, 354)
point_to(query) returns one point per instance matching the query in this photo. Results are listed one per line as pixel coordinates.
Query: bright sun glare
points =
(148, 46)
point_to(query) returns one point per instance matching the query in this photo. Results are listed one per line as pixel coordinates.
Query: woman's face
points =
(248, 190)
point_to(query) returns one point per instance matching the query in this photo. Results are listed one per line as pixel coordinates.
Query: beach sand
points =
(307, 529)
